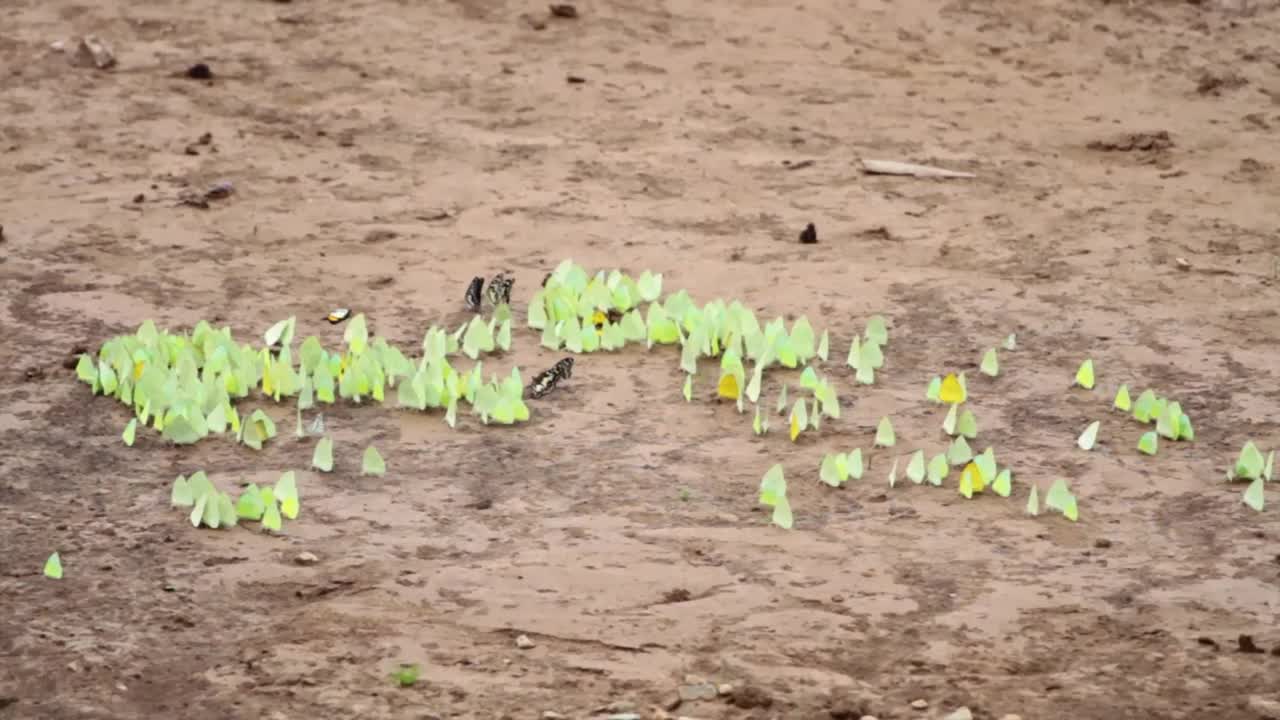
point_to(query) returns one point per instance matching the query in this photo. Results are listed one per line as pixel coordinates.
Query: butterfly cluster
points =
(546, 380)
(498, 292)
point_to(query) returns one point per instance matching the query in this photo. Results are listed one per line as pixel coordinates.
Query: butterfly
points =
(546, 380)
(499, 292)
(600, 317)
(473, 294)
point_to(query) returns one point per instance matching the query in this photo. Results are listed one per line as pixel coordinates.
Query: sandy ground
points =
(384, 152)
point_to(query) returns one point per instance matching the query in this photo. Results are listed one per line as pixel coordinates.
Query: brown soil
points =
(384, 152)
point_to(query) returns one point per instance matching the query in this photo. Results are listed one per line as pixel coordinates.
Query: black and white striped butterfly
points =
(499, 292)
(473, 294)
(546, 380)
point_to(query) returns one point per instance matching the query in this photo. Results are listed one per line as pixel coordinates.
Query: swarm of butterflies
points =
(499, 293)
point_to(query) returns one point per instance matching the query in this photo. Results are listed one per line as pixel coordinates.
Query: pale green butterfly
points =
(1089, 436)
(286, 491)
(1003, 484)
(1144, 406)
(824, 346)
(856, 467)
(1250, 463)
(1060, 498)
(829, 472)
(322, 458)
(876, 331)
(250, 504)
(884, 433)
(782, 514)
(1122, 401)
(959, 452)
(773, 485)
(1084, 376)
(760, 425)
(129, 431)
(1169, 423)
(916, 467)
(1253, 495)
(939, 468)
(933, 392)
(372, 464)
(990, 363)
(53, 566)
(799, 418)
(1149, 443)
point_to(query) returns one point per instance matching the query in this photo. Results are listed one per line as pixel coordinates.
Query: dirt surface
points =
(384, 152)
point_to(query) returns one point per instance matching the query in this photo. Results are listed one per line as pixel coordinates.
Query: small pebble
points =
(920, 704)
(1102, 543)
(962, 713)
(868, 717)
(306, 558)
(724, 689)
(523, 642)
(1011, 716)
(552, 715)
(199, 71)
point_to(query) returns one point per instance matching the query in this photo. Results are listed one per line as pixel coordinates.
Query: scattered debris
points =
(575, 79)
(1102, 543)
(879, 232)
(960, 713)
(1, 233)
(306, 558)
(698, 691)
(920, 704)
(798, 165)
(750, 697)
(523, 642)
(1266, 709)
(1207, 642)
(92, 52)
(564, 10)
(678, 595)
(1246, 645)
(1156, 141)
(1214, 84)
(199, 71)
(218, 191)
(809, 235)
(380, 235)
(893, 167)
(552, 715)
(1182, 263)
